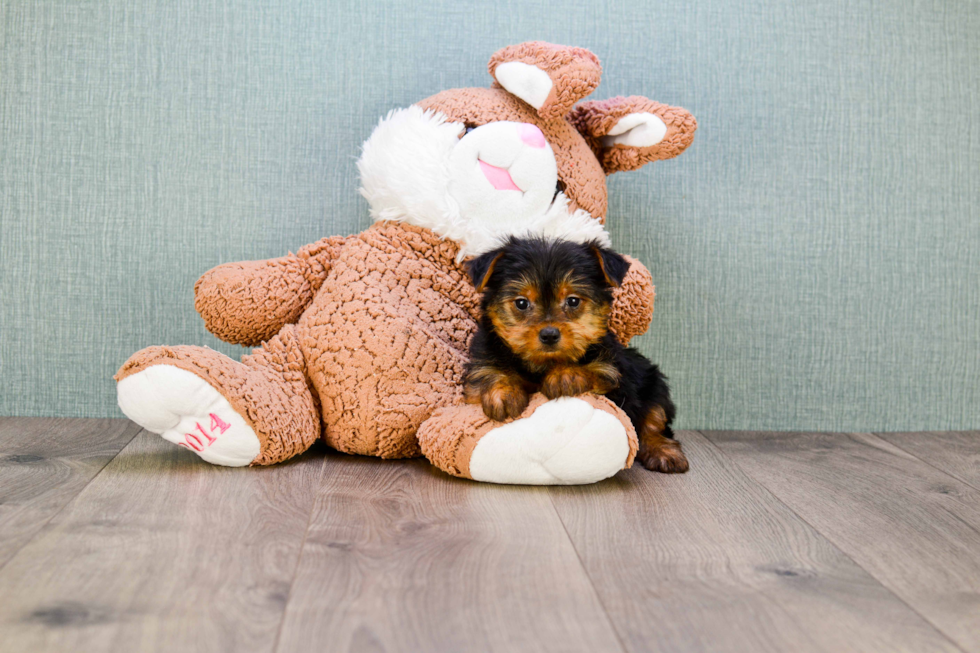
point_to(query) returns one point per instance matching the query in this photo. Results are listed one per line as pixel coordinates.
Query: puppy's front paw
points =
(566, 382)
(572, 380)
(504, 401)
(665, 457)
(501, 393)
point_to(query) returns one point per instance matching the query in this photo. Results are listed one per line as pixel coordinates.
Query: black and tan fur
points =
(545, 327)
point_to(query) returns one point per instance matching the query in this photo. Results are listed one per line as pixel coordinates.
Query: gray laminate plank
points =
(44, 463)
(400, 557)
(711, 561)
(955, 452)
(162, 552)
(914, 528)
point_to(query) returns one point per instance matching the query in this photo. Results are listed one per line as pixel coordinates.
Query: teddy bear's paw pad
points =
(565, 441)
(186, 410)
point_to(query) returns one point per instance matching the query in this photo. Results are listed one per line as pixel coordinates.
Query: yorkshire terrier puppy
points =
(545, 327)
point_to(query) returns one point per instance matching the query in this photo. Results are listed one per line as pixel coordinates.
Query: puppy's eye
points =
(522, 304)
(573, 302)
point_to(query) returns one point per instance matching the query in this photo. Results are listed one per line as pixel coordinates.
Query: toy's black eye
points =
(522, 304)
(573, 302)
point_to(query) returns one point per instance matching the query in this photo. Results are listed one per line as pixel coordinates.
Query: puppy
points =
(545, 327)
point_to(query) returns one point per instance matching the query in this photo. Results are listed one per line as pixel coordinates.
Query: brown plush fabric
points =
(574, 72)
(584, 179)
(447, 439)
(450, 435)
(595, 118)
(268, 389)
(632, 307)
(246, 303)
(386, 338)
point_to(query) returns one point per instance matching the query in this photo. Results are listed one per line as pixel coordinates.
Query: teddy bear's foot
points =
(566, 441)
(184, 409)
(256, 412)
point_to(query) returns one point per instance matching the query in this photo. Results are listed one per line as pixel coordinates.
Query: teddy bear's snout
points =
(500, 177)
(504, 166)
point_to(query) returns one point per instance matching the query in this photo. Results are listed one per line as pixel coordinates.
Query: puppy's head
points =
(548, 300)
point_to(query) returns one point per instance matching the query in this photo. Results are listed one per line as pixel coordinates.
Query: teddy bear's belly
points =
(385, 345)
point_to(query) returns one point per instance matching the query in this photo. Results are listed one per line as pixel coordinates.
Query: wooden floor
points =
(113, 540)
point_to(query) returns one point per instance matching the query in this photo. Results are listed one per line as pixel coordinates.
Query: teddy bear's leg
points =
(257, 412)
(566, 441)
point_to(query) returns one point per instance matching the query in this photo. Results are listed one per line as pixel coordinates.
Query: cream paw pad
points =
(184, 409)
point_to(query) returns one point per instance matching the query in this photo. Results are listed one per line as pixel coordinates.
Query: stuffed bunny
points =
(364, 338)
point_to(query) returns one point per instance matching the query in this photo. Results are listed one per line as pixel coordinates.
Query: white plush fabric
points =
(415, 168)
(532, 169)
(636, 130)
(564, 442)
(184, 409)
(527, 82)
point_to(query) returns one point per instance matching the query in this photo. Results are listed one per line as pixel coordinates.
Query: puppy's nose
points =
(549, 335)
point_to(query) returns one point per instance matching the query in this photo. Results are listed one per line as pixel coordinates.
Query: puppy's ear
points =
(614, 267)
(481, 267)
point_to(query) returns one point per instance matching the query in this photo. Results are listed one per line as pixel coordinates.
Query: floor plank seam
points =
(42, 529)
(598, 596)
(923, 460)
(833, 543)
(299, 558)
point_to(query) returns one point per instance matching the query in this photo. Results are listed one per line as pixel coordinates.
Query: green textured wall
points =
(816, 251)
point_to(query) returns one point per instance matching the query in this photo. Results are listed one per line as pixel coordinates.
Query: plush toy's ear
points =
(628, 132)
(614, 267)
(481, 267)
(551, 78)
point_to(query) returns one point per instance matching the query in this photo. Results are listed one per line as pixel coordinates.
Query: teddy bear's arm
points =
(248, 302)
(632, 307)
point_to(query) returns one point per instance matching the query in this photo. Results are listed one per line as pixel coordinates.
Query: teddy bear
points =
(362, 340)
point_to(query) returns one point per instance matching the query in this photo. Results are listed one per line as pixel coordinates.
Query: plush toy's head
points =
(479, 164)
